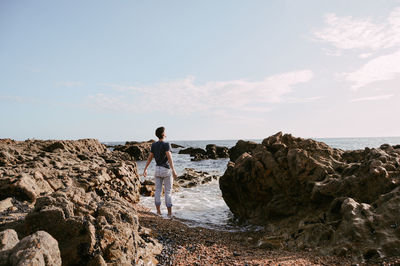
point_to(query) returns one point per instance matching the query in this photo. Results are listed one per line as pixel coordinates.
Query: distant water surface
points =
(204, 205)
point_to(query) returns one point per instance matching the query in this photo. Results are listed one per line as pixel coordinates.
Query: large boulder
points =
(216, 152)
(40, 249)
(311, 195)
(193, 151)
(79, 192)
(241, 147)
(138, 150)
(176, 146)
(212, 151)
(191, 178)
(8, 239)
(84, 226)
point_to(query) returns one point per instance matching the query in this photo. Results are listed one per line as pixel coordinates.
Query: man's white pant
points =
(163, 175)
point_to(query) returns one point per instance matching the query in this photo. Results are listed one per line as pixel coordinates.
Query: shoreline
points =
(184, 245)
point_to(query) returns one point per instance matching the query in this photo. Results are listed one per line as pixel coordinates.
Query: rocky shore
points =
(212, 151)
(80, 195)
(309, 195)
(183, 245)
(77, 203)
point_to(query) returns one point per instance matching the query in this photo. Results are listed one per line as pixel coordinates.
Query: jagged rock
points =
(216, 152)
(212, 152)
(199, 157)
(315, 196)
(193, 151)
(176, 146)
(77, 146)
(191, 178)
(83, 195)
(240, 148)
(40, 248)
(23, 187)
(84, 225)
(138, 150)
(7, 141)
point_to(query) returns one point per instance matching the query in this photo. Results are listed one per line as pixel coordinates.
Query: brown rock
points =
(193, 151)
(313, 195)
(175, 146)
(83, 195)
(216, 152)
(5, 204)
(139, 151)
(8, 239)
(240, 148)
(191, 178)
(39, 248)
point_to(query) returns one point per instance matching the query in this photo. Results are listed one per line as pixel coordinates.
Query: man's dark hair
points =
(159, 132)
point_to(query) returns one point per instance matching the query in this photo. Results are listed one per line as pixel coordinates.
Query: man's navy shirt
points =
(159, 150)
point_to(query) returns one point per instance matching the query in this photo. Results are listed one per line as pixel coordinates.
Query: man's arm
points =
(151, 155)
(171, 163)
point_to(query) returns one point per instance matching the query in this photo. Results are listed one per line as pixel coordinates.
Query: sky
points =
(206, 70)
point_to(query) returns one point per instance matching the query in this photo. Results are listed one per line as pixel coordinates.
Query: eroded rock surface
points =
(139, 151)
(191, 178)
(212, 151)
(80, 193)
(308, 194)
(40, 249)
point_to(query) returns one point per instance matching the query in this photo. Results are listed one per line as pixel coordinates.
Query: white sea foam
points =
(199, 206)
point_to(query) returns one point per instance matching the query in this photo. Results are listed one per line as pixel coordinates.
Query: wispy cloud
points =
(370, 37)
(360, 33)
(386, 67)
(186, 96)
(373, 98)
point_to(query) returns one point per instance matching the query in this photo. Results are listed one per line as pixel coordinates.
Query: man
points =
(161, 151)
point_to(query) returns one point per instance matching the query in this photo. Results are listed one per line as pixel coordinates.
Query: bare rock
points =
(216, 152)
(240, 148)
(311, 195)
(139, 151)
(212, 151)
(193, 151)
(23, 187)
(191, 178)
(176, 146)
(39, 248)
(8, 239)
(5, 204)
(83, 195)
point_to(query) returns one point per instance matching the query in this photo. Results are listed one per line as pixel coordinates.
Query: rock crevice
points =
(342, 202)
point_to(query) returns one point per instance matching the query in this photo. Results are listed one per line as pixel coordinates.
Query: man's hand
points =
(174, 174)
(145, 172)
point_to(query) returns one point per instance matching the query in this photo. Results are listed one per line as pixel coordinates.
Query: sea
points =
(203, 206)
